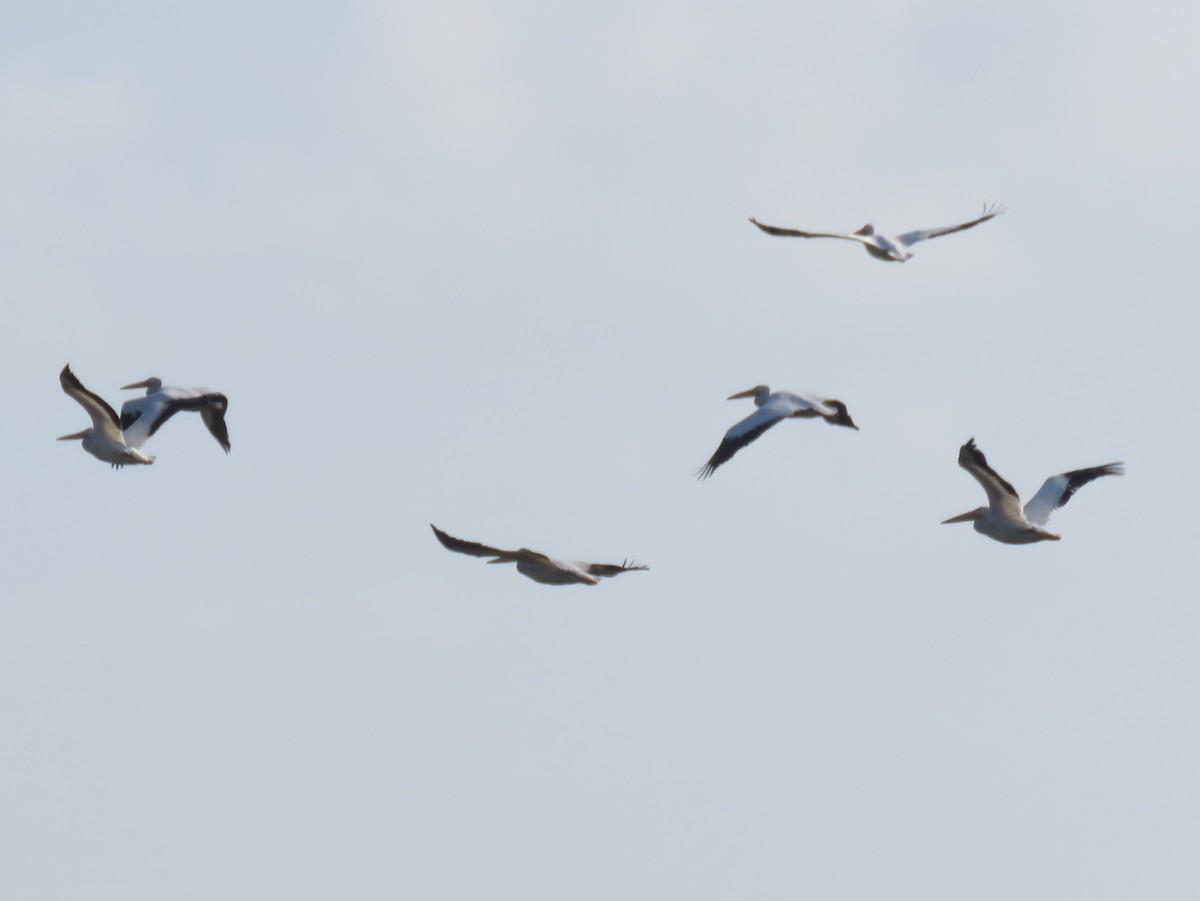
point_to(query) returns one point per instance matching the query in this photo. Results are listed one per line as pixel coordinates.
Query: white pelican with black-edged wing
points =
(537, 566)
(884, 247)
(104, 440)
(1003, 519)
(773, 409)
(143, 416)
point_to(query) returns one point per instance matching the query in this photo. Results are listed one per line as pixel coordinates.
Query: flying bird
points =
(773, 409)
(884, 247)
(1003, 518)
(142, 417)
(105, 440)
(537, 566)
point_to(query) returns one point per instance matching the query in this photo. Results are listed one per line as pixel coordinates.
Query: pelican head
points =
(151, 385)
(78, 436)
(758, 392)
(842, 417)
(969, 516)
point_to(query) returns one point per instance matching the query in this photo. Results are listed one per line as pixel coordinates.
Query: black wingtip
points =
(443, 539)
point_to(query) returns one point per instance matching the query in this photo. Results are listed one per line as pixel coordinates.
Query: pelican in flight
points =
(1003, 518)
(537, 566)
(105, 440)
(142, 417)
(772, 409)
(884, 247)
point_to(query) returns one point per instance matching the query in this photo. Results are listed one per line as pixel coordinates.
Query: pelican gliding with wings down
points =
(884, 247)
(537, 566)
(105, 440)
(1003, 519)
(773, 409)
(143, 416)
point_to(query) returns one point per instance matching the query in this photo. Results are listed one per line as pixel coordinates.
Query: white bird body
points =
(105, 440)
(143, 416)
(773, 408)
(537, 566)
(884, 247)
(549, 571)
(1004, 519)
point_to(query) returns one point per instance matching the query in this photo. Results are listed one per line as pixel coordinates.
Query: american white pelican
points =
(884, 247)
(1003, 519)
(537, 566)
(144, 416)
(104, 440)
(772, 409)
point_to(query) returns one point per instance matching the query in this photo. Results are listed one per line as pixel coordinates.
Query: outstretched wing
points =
(143, 416)
(908, 239)
(1057, 490)
(796, 233)
(743, 433)
(607, 570)
(450, 543)
(1001, 496)
(213, 414)
(104, 418)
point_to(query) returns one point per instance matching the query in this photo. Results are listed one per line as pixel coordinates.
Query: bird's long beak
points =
(969, 516)
(76, 437)
(748, 393)
(144, 383)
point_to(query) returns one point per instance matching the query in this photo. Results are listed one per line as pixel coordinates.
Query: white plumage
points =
(105, 440)
(884, 247)
(1004, 519)
(143, 416)
(773, 409)
(538, 566)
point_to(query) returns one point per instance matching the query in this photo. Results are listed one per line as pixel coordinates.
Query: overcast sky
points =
(487, 265)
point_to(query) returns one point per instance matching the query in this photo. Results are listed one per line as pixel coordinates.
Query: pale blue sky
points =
(487, 264)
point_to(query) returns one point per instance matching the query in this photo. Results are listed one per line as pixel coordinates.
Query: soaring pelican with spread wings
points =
(883, 247)
(104, 440)
(142, 417)
(773, 409)
(1003, 518)
(537, 566)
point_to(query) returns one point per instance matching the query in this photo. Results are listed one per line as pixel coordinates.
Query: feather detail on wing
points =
(142, 417)
(1057, 490)
(450, 543)
(741, 434)
(104, 417)
(607, 570)
(908, 239)
(214, 417)
(1000, 494)
(796, 233)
